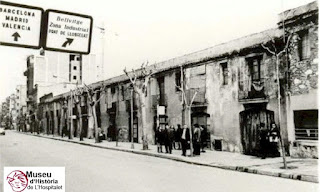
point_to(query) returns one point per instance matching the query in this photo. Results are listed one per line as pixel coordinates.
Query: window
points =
(74, 67)
(75, 77)
(123, 92)
(304, 45)
(178, 80)
(72, 57)
(256, 69)
(113, 90)
(224, 70)
(306, 124)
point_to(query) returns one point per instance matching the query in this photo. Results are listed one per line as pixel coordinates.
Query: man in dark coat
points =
(166, 138)
(160, 139)
(263, 141)
(177, 137)
(203, 141)
(170, 132)
(185, 139)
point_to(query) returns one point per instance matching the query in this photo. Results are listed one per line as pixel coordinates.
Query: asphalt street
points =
(94, 169)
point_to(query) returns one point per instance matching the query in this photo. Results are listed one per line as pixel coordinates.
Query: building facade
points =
(231, 90)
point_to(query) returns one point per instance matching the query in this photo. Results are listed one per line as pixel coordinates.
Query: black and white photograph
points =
(159, 96)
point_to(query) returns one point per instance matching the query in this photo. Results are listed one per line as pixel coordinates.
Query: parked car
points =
(2, 131)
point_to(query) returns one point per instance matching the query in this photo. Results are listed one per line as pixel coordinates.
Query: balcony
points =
(252, 90)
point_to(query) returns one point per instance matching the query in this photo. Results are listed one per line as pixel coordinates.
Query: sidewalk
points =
(301, 169)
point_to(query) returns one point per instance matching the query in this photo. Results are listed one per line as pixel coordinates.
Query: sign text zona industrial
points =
(67, 32)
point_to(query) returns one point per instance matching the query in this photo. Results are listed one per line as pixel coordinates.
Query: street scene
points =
(111, 99)
(109, 170)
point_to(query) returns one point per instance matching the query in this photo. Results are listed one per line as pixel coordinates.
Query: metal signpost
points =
(20, 25)
(67, 32)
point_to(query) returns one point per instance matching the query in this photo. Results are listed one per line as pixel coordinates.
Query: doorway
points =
(250, 124)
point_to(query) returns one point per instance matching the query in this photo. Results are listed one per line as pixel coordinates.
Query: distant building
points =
(13, 111)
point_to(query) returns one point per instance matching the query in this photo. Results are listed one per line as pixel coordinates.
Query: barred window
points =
(304, 45)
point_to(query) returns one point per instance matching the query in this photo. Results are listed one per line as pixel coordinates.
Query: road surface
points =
(91, 169)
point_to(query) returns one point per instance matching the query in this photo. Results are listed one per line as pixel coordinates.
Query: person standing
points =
(203, 139)
(158, 140)
(196, 139)
(166, 138)
(170, 138)
(185, 139)
(263, 141)
(274, 137)
(177, 136)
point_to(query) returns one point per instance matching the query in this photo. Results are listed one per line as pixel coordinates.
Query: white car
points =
(2, 131)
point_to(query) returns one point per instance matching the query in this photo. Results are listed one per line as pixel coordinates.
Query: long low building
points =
(231, 90)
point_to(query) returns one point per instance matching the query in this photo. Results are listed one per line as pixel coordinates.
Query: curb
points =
(300, 177)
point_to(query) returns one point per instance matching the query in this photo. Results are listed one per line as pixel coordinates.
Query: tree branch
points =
(267, 48)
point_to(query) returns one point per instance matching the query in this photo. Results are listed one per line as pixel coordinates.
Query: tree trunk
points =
(95, 124)
(61, 120)
(144, 121)
(80, 122)
(190, 129)
(279, 111)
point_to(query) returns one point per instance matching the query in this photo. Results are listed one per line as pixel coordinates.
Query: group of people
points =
(269, 139)
(179, 138)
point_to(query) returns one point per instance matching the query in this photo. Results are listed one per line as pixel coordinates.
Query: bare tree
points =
(64, 107)
(93, 101)
(77, 101)
(278, 52)
(186, 105)
(141, 88)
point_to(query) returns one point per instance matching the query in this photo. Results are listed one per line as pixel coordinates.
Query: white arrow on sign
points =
(20, 25)
(68, 32)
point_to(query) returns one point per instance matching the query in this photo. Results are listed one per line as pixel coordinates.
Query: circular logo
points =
(17, 180)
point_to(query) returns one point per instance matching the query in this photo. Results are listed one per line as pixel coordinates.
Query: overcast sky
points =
(154, 31)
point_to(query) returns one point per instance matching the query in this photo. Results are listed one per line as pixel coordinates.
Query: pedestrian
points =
(274, 137)
(166, 138)
(159, 139)
(203, 138)
(170, 138)
(196, 139)
(185, 139)
(263, 141)
(100, 134)
(177, 139)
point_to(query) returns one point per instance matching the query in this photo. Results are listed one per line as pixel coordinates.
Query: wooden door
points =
(250, 123)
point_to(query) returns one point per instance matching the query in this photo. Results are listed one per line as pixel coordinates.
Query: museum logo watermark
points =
(49, 179)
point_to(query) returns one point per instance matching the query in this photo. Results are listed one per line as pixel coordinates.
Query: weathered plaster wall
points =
(174, 99)
(223, 105)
